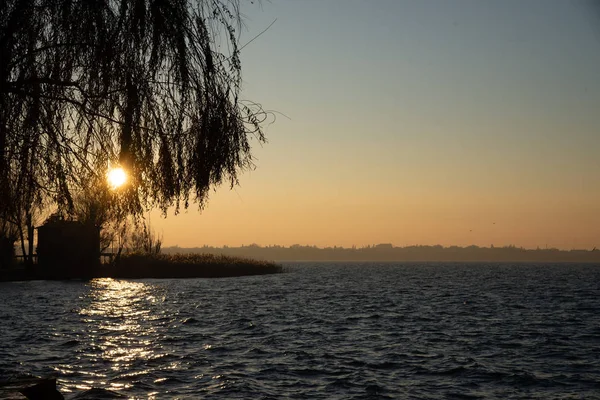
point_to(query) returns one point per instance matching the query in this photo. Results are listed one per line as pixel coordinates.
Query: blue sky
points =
(452, 122)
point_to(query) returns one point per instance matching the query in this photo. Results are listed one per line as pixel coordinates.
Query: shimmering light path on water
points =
(318, 331)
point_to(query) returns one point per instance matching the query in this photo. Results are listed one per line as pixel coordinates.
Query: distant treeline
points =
(387, 252)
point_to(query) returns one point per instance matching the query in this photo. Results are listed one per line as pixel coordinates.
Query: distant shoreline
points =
(388, 253)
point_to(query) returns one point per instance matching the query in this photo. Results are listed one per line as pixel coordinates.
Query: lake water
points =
(318, 331)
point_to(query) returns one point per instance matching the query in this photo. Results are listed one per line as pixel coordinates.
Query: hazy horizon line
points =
(381, 246)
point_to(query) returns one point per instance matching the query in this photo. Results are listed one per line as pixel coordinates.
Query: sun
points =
(116, 177)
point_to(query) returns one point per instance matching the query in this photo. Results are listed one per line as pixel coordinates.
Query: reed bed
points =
(188, 266)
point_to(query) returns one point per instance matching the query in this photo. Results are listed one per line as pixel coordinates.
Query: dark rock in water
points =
(98, 394)
(45, 389)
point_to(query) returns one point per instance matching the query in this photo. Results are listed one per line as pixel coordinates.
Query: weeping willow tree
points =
(150, 85)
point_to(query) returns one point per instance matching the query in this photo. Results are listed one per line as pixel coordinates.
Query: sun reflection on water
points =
(123, 323)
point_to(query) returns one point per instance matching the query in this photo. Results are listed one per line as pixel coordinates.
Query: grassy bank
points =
(140, 266)
(187, 266)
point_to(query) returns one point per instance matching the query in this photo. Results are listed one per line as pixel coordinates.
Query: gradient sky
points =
(416, 122)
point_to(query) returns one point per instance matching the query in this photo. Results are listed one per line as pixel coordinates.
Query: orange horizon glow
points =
(265, 214)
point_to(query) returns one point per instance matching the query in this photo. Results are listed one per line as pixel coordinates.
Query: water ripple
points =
(321, 331)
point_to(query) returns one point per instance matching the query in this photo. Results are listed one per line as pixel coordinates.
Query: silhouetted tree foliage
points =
(144, 240)
(152, 85)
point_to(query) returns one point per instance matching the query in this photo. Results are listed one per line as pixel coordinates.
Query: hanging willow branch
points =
(141, 83)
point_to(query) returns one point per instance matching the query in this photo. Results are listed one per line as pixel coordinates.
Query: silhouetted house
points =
(68, 248)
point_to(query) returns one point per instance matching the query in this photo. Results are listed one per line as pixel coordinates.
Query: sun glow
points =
(116, 177)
